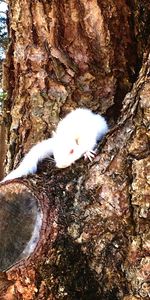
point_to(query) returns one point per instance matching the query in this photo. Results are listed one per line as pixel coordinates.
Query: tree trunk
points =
(81, 232)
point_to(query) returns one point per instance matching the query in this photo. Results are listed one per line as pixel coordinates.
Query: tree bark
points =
(92, 237)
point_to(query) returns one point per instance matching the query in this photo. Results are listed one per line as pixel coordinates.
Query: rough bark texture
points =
(2, 146)
(94, 238)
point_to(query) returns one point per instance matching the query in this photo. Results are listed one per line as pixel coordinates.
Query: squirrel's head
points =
(66, 150)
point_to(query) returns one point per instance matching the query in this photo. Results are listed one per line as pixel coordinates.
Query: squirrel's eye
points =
(71, 151)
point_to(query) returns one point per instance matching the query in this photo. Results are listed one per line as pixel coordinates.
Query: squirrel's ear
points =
(77, 140)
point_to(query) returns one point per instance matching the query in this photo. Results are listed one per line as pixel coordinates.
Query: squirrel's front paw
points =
(90, 154)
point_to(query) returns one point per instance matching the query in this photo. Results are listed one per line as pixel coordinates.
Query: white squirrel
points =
(76, 135)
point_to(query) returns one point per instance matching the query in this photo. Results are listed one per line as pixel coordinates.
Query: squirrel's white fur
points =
(76, 135)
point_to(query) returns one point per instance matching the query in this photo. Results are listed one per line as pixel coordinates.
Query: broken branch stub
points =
(23, 223)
